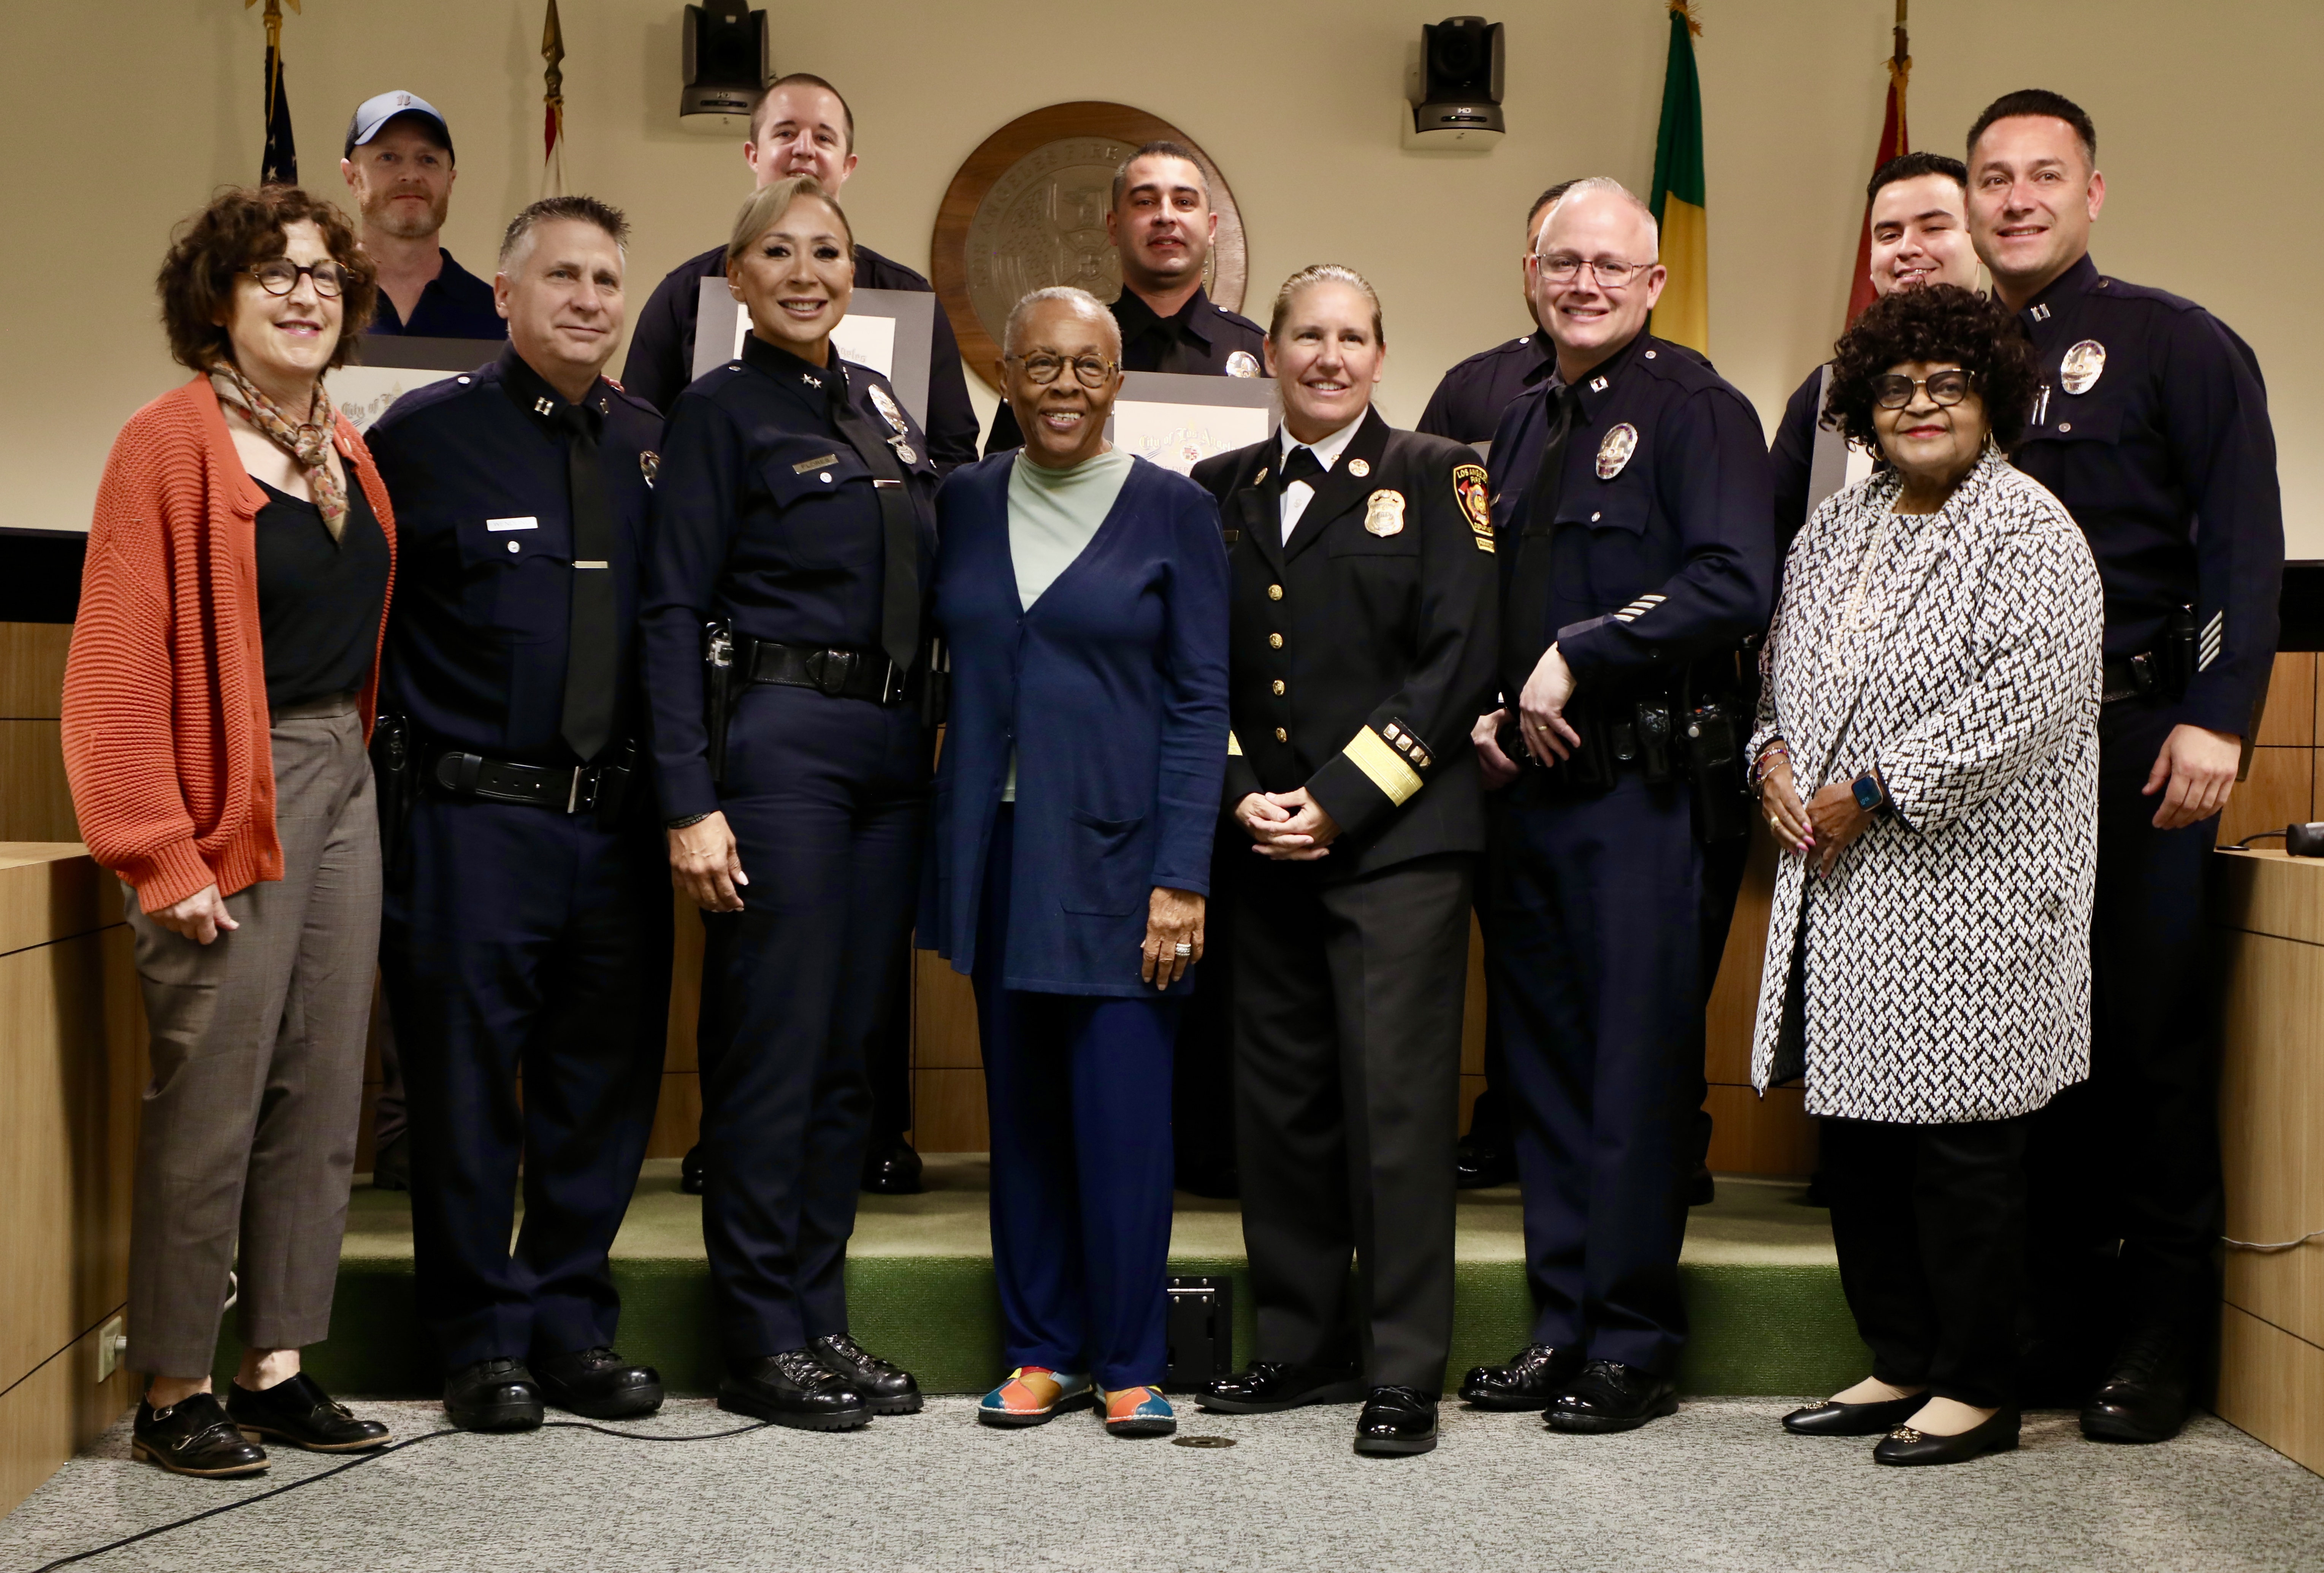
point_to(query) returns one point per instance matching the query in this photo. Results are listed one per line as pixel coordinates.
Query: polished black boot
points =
(597, 1383)
(795, 1389)
(1535, 1375)
(492, 1395)
(194, 1436)
(1610, 1396)
(1397, 1422)
(2144, 1397)
(1908, 1444)
(1831, 1418)
(689, 1170)
(1271, 1387)
(887, 1389)
(297, 1411)
(892, 1168)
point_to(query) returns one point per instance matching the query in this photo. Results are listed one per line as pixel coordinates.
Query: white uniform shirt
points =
(1296, 495)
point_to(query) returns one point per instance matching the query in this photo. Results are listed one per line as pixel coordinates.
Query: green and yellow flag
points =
(1683, 314)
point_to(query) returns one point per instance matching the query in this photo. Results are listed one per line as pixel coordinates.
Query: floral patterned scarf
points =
(308, 441)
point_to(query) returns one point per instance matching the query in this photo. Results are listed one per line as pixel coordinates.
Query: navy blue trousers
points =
(1595, 969)
(826, 798)
(518, 941)
(1078, 1089)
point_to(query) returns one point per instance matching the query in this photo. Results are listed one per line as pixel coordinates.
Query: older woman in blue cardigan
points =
(1082, 592)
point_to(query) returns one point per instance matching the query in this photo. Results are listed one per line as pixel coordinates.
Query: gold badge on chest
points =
(1384, 512)
(1616, 450)
(2084, 363)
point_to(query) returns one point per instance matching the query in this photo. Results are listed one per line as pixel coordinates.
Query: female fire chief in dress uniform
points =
(1084, 598)
(794, 517)
(1364, 628)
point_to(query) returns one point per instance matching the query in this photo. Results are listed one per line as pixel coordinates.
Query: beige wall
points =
(122, 118)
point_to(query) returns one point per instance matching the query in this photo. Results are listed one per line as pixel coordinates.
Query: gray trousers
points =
(249, 1121)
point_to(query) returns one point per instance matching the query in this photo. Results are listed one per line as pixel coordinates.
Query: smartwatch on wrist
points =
(1870, 795)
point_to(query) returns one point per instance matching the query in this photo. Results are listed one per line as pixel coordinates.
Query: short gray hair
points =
(1081, 300)
(581, 209)
(1602, 183)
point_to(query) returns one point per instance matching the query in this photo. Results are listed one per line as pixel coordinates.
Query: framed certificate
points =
(891, 331)
(1177, 421)
(389, 365)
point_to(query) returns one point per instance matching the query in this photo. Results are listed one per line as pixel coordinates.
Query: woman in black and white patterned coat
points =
(1927, 757)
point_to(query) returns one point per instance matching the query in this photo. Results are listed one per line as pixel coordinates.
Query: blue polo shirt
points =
(457, 304)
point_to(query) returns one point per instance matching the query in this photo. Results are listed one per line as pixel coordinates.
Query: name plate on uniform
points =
(1177, 421)
(891, 331)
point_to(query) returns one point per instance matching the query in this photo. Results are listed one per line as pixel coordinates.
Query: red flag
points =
(552, 99)
(1893, 144)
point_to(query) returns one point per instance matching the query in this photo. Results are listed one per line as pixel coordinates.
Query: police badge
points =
(1616, 450)
(1242, 364)
(1384, 512)
(649, 465)
(2083, 365)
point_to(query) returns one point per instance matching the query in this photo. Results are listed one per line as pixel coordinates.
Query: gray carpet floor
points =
(1716, 1488)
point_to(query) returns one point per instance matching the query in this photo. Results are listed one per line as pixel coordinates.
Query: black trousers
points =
(1347, 997)
(1930, 1224)
(520, 942)
(825, 797)
(1202, 1076)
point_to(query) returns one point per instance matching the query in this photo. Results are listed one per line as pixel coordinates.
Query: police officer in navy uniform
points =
(2152, 428)
(525, 931)
(1362, 642)
(795, 521)
(1636, 551)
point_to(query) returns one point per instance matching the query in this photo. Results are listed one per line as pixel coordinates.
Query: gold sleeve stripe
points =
(1234, 746)
(1388, 770)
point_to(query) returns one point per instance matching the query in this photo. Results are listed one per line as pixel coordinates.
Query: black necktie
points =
(1524, 619)
(592, 642)
(1303, 465)
(900, 598)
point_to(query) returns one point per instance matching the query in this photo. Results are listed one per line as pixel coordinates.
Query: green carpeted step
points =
(1762, 1288)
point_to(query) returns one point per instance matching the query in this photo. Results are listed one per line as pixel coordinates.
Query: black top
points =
(318, 599)
(764, 513)
(662, 347)
(478, 467)
(1200, 339)
(455, 304)
(1467, 404)
(1792, 457)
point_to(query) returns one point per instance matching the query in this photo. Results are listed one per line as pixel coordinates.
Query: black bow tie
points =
(1302, 466)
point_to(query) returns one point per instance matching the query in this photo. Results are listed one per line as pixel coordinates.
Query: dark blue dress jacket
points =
(1112, 690)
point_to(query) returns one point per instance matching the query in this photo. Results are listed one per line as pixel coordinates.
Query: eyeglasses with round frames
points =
(281, 276)
(1611, 273)
(1894, 390)
(1088, 369)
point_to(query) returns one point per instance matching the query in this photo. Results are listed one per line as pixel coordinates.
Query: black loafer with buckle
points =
(298, 1412)
(194, 1436)
(1831, 1418)
(1911, 1445)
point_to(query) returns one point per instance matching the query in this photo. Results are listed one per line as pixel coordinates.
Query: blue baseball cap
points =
(373, 115)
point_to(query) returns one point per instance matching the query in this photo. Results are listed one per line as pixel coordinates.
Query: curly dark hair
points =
(1935, 322)
(241, 228)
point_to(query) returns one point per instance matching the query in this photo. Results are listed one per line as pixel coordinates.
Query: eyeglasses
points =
(1894, 390)
(1088, 369)
(1564, 268)
(281, 276)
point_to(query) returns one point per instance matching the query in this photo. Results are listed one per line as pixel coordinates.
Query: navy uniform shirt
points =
(764, 514)
(455, 304)
(483, 522)
(662, 347)
(1469, 403)
(1659, 557)
(1201, 339)
(2167, 460)
(1792, 457)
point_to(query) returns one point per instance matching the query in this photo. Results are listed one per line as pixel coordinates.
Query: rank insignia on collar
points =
(1384, 512)
(888, 411)
(649, 465)
(2083, 365)
(2039, 313)
(810, 379)
(1469, 487)
(1616, 450)
(1242, 364)
(1598, 384)
(543, 406)
(1358, 468)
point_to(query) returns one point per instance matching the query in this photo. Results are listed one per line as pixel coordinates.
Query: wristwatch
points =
(1870, 795)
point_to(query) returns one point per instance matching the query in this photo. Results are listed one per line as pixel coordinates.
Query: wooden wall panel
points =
(2271, 1124)
(33, 669)
(1750, 1134)
(2271, 1385)
(2279, 789)
(35, 801)
(54, 1413)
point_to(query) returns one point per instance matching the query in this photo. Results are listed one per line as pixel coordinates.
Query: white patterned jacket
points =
(1948, 971)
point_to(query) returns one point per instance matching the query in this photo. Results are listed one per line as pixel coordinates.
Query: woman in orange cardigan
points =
(218, 701)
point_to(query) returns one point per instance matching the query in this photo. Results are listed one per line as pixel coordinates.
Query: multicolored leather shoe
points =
(1139, 1411)
(1033, 1394)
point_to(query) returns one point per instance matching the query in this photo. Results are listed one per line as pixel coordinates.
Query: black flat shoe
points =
(1397, 1422)
(1831, 1418)
(794, 1389)
(2145, 1396)
(1610, 1396)
(1535, 1375)
(689, 1170)
(492, 1395)
(298, 1412)
(892, 1169)
(887, 1389)
(1272, 1386)
(598, 1385)
(1906, 1445)
(194, 1436)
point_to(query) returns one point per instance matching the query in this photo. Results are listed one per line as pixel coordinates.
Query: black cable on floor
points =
(362, 1458)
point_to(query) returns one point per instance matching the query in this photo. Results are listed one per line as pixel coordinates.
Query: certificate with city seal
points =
(1177, 421)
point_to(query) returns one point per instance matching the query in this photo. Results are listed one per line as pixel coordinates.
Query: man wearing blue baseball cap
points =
(399, 165)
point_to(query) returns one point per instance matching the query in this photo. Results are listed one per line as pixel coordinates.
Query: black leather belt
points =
(837, 673)
(567, 788)
(2131, 676)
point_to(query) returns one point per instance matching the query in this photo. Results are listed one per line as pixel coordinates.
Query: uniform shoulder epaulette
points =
(2108, 287)
(635, 401)
(1677, 363)
(1239, 319)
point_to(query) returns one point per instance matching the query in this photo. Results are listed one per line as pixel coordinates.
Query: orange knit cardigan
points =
(165, 717)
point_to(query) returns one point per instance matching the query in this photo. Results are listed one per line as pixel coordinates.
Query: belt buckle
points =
(891, 685)
(830, 670)
(576, 800)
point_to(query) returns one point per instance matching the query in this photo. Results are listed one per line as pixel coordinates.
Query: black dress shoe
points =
(1534, 1376)
(1480, 1162)
(887, 1389)
(1610, 1396)
(689, 1170)
(1271, 1387)
(597, 1383)
(298, 1412)
(892, 1169)
(1908, 1444)
(794, 1388)
(391, 1166)
(1831, 1418)
(194, 1436)
(1396, 1421)
(492, 1395)
(2144, 1396)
